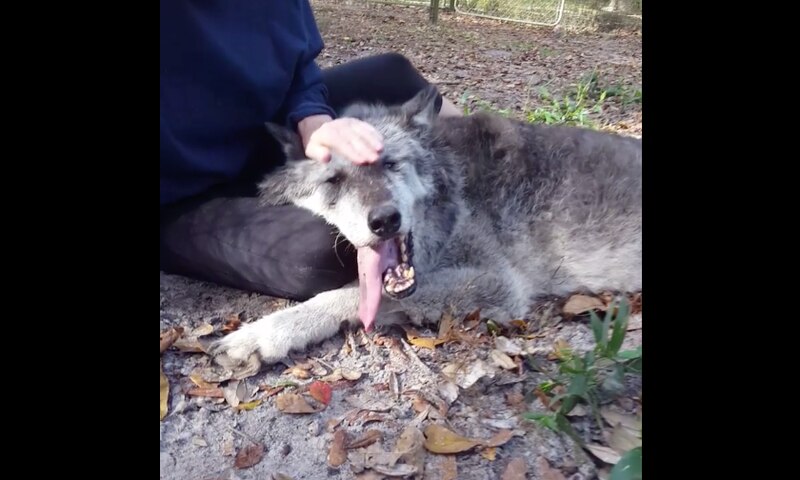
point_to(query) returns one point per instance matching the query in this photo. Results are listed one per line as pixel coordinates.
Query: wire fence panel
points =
(570, 14)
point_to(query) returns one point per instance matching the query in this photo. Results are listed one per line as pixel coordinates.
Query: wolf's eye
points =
(391, 165)
(334, 180)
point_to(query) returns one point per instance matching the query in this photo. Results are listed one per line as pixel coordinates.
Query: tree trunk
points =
(434, 11)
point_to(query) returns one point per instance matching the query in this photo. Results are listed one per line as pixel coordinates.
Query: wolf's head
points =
(373, 206)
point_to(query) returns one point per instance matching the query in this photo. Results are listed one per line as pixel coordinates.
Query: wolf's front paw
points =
(249, 346)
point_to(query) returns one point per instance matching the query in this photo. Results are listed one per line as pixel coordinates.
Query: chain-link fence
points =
(570, 14)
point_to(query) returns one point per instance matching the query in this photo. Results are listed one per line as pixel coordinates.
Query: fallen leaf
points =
(297, 372)
(249, 405)
(164, 393)
(472, 319)
(546, 472)
(334, 376)
(215, 373)
(280, 476)
(578, 304)
(515, 399)
(399, 470)
(202, 330)
(232, 323)
(423, 342)
(410, 448)
(507, 346)
(197, 379)
(516, 470)
(370, 437)
(467, 375)
(321, 392)
(230, 393)
(189, 345)
(213, 392)
(351, 375)
(605, 454)
(519, 324)
(502, 360)
(270, 391)
(445, 326)
(249, 456)
(577, 411)
(449, 467)
(293, 403)
(501, 438)
(228, 449)
(394, 385)
(199, 442)
(623, 439)
(168, 337)
(449, 391)
(439, 439)
(489, 453)
(337, 455)
(614, 418)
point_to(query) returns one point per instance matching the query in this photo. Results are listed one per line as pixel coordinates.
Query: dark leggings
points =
(226, 237)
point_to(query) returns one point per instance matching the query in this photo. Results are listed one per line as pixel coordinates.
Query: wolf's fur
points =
(501, 212)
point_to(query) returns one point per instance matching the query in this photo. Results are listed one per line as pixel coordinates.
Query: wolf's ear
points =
(289, 141)
(424, 107)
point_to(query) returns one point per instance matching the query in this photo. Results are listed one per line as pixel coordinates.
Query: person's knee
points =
(398, 65)
(327, 263)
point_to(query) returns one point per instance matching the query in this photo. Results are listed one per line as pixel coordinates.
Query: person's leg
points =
(231, 240)
(388, 78)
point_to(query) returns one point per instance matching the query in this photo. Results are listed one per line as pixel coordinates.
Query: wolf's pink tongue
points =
(372, 262)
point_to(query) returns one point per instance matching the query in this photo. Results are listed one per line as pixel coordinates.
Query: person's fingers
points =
(318, 152)
(353, 139)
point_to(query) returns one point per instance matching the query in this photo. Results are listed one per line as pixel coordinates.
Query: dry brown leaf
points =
(546, 472)
(334, 376)
(370, 437)
(516, 470)
(232, 323)
(351, 375)
(515, 399)
(228, 448)
(168, 337)
(398, 470)
(578, 304)
(449, 467)
(502, 360)
(202, 330)
(293, 403)
(410, 448)
(249, 456)
(231, 393)
(213, 392)
(507, 346)
(270, 391)
(605, 454)
(280, 476)
(321, 392)
(298, 372)
(249, 405)
(337, 455)
(614, 418)
(164, 393)
(472, 319)
(489, 453)
(197, 379)
(423, 342)
(501, 438)
(439, 439)
(445, 326)
(520, 324)
(623, 439)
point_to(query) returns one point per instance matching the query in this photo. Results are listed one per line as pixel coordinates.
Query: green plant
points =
(589, 378)
(573, 109)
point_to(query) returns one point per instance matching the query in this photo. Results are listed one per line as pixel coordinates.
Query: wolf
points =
(459, 213)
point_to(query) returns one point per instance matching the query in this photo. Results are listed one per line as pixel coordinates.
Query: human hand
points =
(353, 139)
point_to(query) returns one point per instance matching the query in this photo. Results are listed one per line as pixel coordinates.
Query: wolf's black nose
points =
(384, 221)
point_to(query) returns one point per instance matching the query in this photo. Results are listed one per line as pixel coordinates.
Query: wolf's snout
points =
(384, 221)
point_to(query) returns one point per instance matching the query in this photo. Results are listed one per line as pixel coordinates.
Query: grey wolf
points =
(460, 213)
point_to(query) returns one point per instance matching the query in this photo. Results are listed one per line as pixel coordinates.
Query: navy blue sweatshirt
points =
(226, 68)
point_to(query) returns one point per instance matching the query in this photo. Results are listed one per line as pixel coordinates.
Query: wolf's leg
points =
(462, 290)
(274, 335)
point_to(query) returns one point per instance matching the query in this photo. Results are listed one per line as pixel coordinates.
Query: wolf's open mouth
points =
(398, 279)
(384, 268)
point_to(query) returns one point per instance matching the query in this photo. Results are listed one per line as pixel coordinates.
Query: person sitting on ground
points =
(226, 69)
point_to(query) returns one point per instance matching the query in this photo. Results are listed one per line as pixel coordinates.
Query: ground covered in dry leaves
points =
(444, 404)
